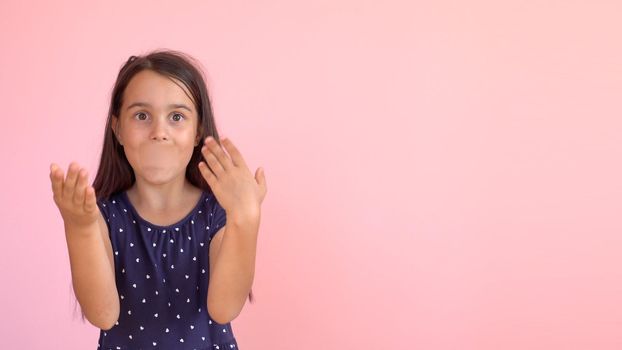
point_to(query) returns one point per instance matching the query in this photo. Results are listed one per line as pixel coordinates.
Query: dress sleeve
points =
(105, 211)
(218, 218)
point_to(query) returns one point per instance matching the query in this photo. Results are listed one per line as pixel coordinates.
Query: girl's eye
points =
(181, 116)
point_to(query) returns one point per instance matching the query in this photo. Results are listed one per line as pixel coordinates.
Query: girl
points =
(153, 264)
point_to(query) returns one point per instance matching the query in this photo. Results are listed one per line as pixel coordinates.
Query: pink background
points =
(441, 174)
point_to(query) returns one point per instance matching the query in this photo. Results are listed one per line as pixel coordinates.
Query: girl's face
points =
(157, 127)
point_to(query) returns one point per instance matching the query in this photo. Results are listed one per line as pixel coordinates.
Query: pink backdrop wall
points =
(441, 175)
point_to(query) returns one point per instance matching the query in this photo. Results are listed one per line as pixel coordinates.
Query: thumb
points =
(260, 176)
(91, 199)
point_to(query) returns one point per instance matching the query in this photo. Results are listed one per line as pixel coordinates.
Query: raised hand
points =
(233, 184)
(73, 196)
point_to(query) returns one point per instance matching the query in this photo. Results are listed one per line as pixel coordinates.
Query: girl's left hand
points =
(235, 188)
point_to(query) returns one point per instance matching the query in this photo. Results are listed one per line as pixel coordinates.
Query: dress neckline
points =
(177, 224)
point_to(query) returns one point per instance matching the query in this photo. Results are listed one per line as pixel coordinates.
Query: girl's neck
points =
(165, 198)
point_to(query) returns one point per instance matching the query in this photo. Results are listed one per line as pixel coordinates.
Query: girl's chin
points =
(157, 175)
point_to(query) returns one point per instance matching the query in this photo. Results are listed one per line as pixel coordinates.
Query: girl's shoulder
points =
(109, 206)
(118, 206)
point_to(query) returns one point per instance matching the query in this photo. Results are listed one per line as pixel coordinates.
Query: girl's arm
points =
(232, 259)
(232, 267)
(90, 250)
(92, 273)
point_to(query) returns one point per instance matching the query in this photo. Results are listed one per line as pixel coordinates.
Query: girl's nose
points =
(159, 130)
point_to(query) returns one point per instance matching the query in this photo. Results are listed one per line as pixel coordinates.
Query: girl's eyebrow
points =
(171, 106)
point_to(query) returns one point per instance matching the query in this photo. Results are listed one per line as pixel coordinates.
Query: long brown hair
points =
(115, 173)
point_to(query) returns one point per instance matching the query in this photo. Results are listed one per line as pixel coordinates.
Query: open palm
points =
(232, 182)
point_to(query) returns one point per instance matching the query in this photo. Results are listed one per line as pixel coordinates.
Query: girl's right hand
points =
(73, 196)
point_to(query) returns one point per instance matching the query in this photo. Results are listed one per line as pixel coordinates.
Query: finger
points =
(91, 201)
(219, 153)
(235, 154)
(78, 194)
(262, 179)
(70, 181)
(213, 163)
(207, 174)
(56, 176)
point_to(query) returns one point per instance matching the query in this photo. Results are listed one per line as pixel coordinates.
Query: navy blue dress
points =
(162, 274)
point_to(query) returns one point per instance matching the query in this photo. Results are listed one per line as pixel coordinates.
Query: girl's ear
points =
(198, 140)
(115, 128)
